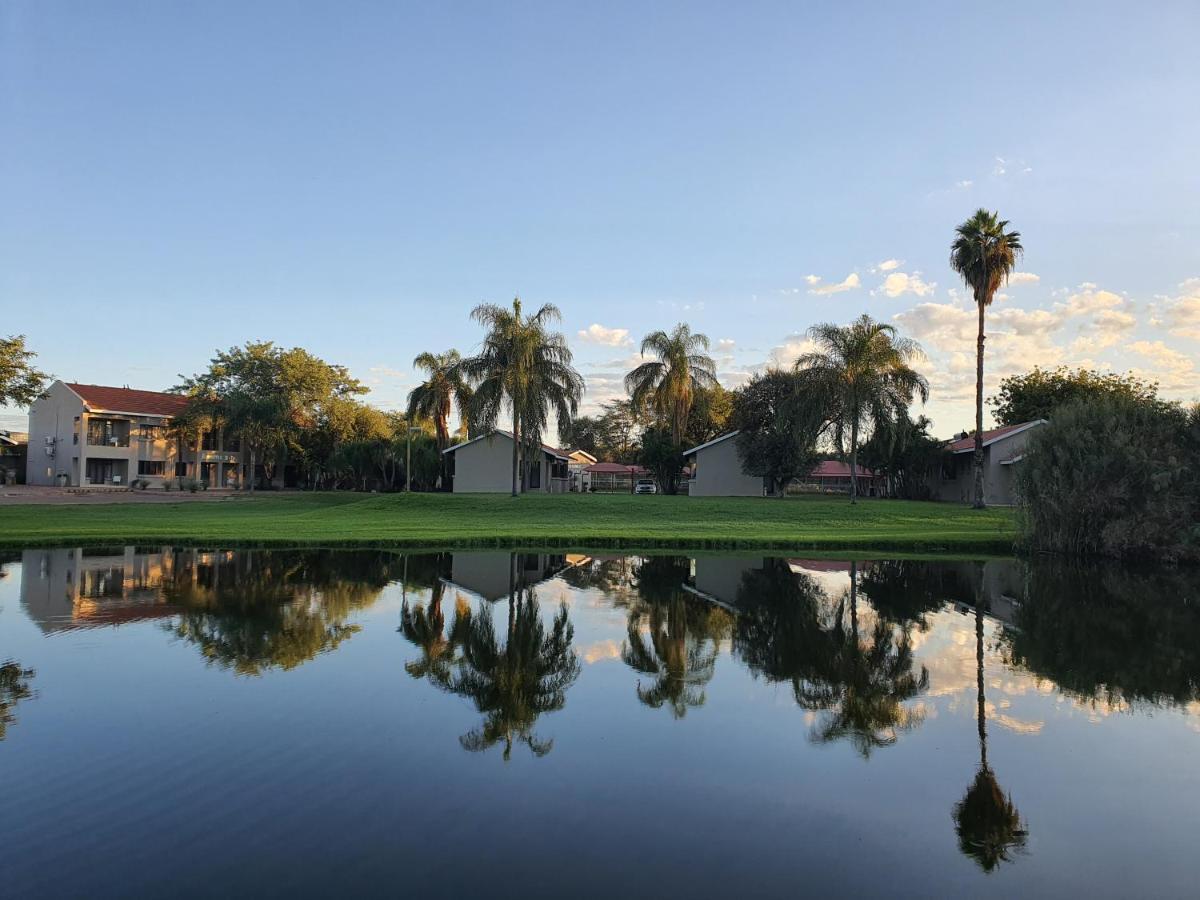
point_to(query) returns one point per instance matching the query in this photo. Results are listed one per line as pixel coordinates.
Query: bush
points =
(1115, 476)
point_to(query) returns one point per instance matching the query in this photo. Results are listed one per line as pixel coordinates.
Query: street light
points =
(408, 460)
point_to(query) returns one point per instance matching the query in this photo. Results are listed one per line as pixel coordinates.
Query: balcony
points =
(108, 433)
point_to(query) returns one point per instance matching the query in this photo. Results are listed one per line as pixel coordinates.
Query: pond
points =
(319, 722)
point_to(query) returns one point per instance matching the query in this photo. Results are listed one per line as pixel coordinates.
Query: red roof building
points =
(100, 398)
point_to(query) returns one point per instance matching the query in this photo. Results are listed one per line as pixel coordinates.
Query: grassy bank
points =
(570, 521)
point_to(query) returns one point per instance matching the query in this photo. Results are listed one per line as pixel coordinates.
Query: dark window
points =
(535, 475)
(151, 467)
(154, 432)
(210, 440)
(108, 433)
(181, 470)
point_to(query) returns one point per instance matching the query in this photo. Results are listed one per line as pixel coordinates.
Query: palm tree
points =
(433, 398)
(668, 383)
(984, 254)
(864, 368)
(525, 368)
(988, 825)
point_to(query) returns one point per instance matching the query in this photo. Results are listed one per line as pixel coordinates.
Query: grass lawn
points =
(576, 521)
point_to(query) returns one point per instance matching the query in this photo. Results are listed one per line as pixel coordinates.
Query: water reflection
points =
(988, 825)
(14, 687)
(672, 637)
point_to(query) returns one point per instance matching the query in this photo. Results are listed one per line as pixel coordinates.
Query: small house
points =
(483, 465)
(1003, 448)
(716, 471)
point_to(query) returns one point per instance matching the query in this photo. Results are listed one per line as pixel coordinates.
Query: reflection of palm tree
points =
(678, 653)
(988, 825)
(14, 687)
(863, 686)
(680, 647)
(514, 684)
(425, 627)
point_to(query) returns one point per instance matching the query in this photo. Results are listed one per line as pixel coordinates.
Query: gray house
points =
(717, 471)
(1003, 448)
(483, 465)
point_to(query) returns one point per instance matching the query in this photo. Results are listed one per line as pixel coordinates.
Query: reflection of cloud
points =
(601, 651)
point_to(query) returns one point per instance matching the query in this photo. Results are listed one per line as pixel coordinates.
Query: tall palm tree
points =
(525, 368)
(984, 253)
(988, 825)
(669, 382)
(433, 398)
(865, 370)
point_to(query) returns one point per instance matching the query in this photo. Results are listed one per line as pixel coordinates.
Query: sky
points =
(354, 177)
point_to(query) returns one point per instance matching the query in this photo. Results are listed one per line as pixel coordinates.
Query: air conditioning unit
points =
(50, 441)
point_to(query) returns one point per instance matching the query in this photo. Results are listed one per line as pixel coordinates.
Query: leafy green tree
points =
(984, 253)
(709, 417)
(619, 425)
(443, 389)
(906, 454)
(661, 455)
(20, 382)
(14, 687)
(1114, 477)
(669, 382)
(864, 371)
(1037, 394)
(525, 368)
(778, 423)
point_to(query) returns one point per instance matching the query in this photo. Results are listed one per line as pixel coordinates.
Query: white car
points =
(645, 486)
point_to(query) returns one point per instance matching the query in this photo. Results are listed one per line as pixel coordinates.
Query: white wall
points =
(719, 473)
(484, 467)
(53, 415)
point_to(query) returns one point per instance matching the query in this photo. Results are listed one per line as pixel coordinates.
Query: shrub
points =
(1114, 476)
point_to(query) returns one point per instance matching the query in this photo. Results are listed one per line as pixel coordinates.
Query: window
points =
(151, 467)
(181, 470)
(108, 433)
(535, 474)
(210, 440)
(154, 432)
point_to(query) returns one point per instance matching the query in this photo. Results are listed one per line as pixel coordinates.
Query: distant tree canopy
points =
(1114, 476)
(20, 382)
(1037, 394)
(779, 422)
(906, 454)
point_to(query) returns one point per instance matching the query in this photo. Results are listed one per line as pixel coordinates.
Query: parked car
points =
(645, 486)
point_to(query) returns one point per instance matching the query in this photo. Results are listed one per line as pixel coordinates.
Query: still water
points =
(181, 722)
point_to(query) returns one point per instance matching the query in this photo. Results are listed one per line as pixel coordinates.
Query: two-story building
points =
(90, 434)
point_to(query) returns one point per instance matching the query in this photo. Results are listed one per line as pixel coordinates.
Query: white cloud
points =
(1175, 372)
(888, 265)
(1090, 299)
(609, 337)
(964, 184)
(794, 346)
(899, 283)
(849, 283)
(1180, 315)
(812, 279)
(726, 344)
(1023, 278)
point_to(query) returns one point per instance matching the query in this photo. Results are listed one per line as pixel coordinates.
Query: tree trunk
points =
(978, 501)
(854, 459)
(981, 706)
(516, 459)
(250, 472)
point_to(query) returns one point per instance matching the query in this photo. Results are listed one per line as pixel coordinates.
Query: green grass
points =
(571, 521)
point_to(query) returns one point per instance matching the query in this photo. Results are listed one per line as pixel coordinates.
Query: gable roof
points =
(101, 398)
(577, 452)
(546, 448)
(717, 440)
(967, 444)
(832, 468)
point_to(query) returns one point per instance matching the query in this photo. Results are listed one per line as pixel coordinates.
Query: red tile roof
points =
(831, 468)
(611, 468)
(126, 400)
(962, 445)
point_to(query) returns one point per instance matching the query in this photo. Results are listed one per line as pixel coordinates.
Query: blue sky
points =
(354, 177)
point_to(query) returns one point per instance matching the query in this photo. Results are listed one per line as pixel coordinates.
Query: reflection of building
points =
(67, 589)
(1003, 448)
(718, 579)
(491, 575)
(483, 465)
(84, 434)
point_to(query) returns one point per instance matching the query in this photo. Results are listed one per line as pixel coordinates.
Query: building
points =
(483, 465)
(90, 434)
(577, 466)
(717, 471)
(614, 478)
(1003, 448)
(14, 446)
(832, 476)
